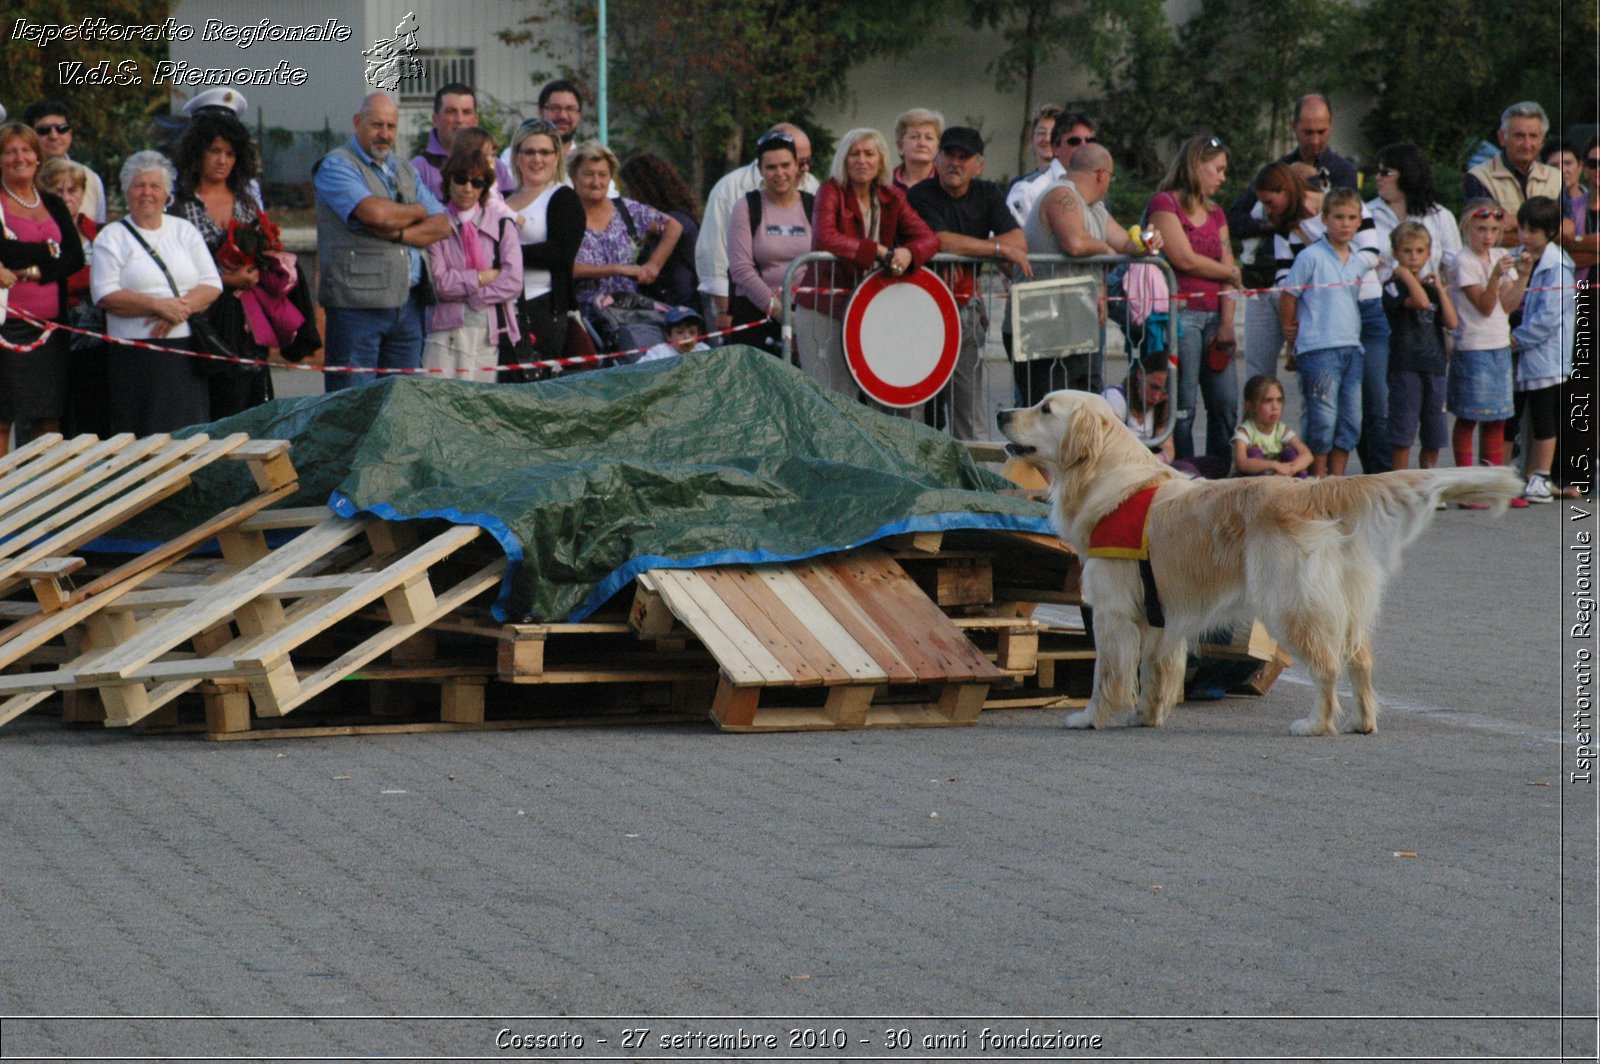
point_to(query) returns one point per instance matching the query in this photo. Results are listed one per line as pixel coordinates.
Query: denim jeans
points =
(1195, 380)
(1376, 456)
(1263, 336)
(1330, 384)
(389, 338)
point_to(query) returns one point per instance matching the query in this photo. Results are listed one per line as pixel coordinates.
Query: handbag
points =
(210, 340)
(516, 352)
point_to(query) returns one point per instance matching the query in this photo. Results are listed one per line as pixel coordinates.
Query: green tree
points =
(701, 77)
(109, 122)
(1233, 70)
(1497, 56)
(1035, 32)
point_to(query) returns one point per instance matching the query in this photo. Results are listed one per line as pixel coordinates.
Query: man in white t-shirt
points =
(1072, 130)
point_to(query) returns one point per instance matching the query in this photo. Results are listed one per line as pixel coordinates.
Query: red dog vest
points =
(1125, 533)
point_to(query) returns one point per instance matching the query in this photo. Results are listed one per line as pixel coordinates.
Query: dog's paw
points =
(1151, 718)
(1084, 718)
(1308, 726)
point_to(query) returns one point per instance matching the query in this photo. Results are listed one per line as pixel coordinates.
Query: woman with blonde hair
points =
(1195, 233)
(550, 222)
(916, 139)
(863, 219)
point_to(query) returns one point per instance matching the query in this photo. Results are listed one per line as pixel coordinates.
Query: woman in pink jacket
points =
(477, 273)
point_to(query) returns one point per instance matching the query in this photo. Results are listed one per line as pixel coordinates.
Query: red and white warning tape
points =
(558, 365)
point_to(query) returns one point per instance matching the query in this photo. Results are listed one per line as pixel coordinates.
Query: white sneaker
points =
(1538, 490)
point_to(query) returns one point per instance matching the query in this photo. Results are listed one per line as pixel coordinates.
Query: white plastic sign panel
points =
(902, 336)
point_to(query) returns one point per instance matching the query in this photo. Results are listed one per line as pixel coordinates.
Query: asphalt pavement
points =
(1215, 889)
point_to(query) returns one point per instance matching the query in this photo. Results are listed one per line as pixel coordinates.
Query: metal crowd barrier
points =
(994, 289)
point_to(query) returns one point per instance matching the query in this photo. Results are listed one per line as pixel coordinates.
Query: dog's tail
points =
(1410, 497)
(1390, 510)
(1484, 486)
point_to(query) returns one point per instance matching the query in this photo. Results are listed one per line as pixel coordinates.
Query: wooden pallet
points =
(241, 630)
(64, 493)
(842, 626)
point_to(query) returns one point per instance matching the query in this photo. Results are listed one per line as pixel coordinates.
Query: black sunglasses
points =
(463, 179)
(1075, 141)
(1592, 162)
(47, 129)
(775, 137)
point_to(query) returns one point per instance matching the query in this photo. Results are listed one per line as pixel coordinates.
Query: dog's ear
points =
(1084, 437)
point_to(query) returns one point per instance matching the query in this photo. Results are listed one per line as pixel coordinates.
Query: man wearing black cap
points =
(970, 217)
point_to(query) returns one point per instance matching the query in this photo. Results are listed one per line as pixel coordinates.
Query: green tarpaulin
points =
(586, 481)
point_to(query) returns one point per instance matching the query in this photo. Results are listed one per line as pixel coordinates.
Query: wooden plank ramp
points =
(826, 643)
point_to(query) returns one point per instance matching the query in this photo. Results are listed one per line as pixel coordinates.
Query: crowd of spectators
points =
(475, 253)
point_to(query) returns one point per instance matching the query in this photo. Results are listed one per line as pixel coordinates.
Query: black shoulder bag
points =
(199, 325)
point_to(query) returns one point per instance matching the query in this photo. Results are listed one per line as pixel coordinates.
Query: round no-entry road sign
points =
(901, 337)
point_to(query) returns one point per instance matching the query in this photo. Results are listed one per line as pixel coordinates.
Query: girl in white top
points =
(1486, 283)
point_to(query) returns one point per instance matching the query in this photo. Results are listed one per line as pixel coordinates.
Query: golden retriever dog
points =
(1310, 558)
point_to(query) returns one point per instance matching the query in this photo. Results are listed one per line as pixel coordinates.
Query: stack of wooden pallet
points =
(307, 623)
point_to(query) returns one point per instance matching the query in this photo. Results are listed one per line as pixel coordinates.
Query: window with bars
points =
(436, 67)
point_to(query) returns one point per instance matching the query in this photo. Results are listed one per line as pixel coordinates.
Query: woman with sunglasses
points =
(1195, 233)
(477, 273)
(1404, 178)
(549, 220)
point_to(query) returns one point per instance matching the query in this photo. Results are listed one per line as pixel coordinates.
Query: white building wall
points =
(333, 88)
(336, 82)
(950, 77)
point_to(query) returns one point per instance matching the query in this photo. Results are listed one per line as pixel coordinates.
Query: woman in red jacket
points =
(864, 220)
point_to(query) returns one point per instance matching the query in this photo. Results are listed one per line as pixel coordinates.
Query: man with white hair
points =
(1516, 174)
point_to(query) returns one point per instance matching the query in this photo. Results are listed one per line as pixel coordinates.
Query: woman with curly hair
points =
(651, 180)
(216, 163)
